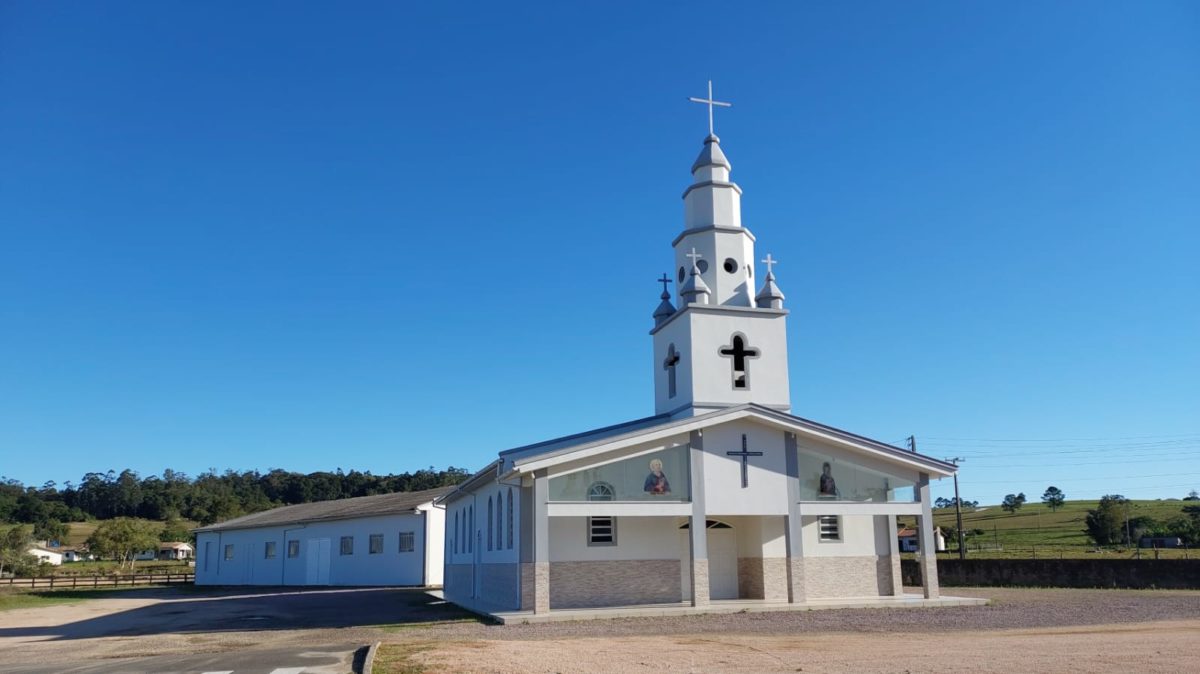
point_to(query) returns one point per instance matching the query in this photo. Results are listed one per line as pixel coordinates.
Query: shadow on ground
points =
(194, 610)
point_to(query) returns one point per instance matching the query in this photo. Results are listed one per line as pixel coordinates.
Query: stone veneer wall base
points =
(614, 583)
(831, 577)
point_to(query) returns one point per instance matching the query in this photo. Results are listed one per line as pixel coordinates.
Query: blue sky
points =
(385, 236)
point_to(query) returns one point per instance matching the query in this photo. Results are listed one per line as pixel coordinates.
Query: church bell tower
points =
(724, 345)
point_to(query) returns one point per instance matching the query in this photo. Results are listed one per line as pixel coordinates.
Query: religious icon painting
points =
(828, 486)
(656, 483)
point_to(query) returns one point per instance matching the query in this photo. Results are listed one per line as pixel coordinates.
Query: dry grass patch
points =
(397, 658)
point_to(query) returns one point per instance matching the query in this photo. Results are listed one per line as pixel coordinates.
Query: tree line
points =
(1109, 523)
(207, 498)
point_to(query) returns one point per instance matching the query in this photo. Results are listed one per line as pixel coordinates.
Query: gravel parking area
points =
(1021, 630)
(1098, 626)
(1011, 608)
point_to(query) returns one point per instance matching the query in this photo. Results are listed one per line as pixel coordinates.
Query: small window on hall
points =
(375, 544)
(601, 491)
(229, 552)
(407, 541)
(293, 549)
(347, 545)
(269, 550)
(602, 530)
(830, 527)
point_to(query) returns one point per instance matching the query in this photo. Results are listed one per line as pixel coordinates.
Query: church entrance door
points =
(318, 562)
(722, 564)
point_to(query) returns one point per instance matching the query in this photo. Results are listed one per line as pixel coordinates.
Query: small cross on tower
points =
(695, 257)
(770, 262)
(745, 455)
(665, 280)
(710, 102)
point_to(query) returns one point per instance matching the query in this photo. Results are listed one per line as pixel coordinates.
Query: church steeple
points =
(724, 345)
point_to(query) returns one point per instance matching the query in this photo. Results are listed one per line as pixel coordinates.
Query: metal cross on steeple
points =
(710, 103)
(770, 262)
(665, 280)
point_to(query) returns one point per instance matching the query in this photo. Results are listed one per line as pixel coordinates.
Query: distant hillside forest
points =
(207, 498)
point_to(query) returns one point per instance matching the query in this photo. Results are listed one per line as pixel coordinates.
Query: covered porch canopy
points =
(601, 475)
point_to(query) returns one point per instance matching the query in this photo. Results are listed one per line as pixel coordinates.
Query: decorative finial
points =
(665, 309)
(710, 102)
(770, 262)
(770, 297)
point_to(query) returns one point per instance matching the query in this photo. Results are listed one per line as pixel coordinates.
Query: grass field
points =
(1036, 530)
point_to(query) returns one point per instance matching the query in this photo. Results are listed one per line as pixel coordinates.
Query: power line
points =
(1119, 437)
(1114, 478)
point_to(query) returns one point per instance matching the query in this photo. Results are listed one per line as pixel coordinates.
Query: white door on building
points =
(318, 562)
(722, 563)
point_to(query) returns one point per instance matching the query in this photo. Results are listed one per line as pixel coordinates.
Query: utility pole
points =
(912, 443)
(962, 551)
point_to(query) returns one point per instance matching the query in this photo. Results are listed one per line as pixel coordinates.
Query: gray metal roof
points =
(547, 446)
(340, 509)
(574, 443)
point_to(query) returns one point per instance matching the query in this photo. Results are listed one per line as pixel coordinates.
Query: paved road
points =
(246, 631)
(334, 659)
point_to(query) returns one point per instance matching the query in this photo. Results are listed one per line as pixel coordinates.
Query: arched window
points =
(457, 532)
(489, 523)
(601, 491)
(500, 521)
(510, 518)
(471, 530)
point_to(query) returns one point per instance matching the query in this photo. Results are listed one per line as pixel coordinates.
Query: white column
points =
(894, 557)
(793, 524)
(928, 564)
(698, 524)
(541, 543)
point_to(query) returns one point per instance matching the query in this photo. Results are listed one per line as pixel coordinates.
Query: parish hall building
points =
(723, 496)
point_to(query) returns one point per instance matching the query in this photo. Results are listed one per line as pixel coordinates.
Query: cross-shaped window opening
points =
(669, 365)
(739, 354)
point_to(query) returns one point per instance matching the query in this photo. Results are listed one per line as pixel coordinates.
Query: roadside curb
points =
(369, 661)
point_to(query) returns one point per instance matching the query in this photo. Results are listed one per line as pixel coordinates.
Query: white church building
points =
(723, 494)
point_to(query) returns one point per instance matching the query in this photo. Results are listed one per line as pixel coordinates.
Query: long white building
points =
(388, 539)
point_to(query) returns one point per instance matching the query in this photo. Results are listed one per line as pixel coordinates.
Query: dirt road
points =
(1172, 646)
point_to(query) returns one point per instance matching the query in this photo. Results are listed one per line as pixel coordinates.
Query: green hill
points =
(1036, 528)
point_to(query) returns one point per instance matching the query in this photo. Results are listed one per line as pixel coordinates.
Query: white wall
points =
(767, 474)
(637, 538)
(250, 566)
(461, 509)
(48, 556)
(434, 543)
(862, 536)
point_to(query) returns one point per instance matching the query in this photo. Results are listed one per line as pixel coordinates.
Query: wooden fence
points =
(73, 582)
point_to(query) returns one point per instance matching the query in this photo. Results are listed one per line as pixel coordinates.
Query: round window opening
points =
(681, 274)
(750, 271)
(703, 265)
(731, 265)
